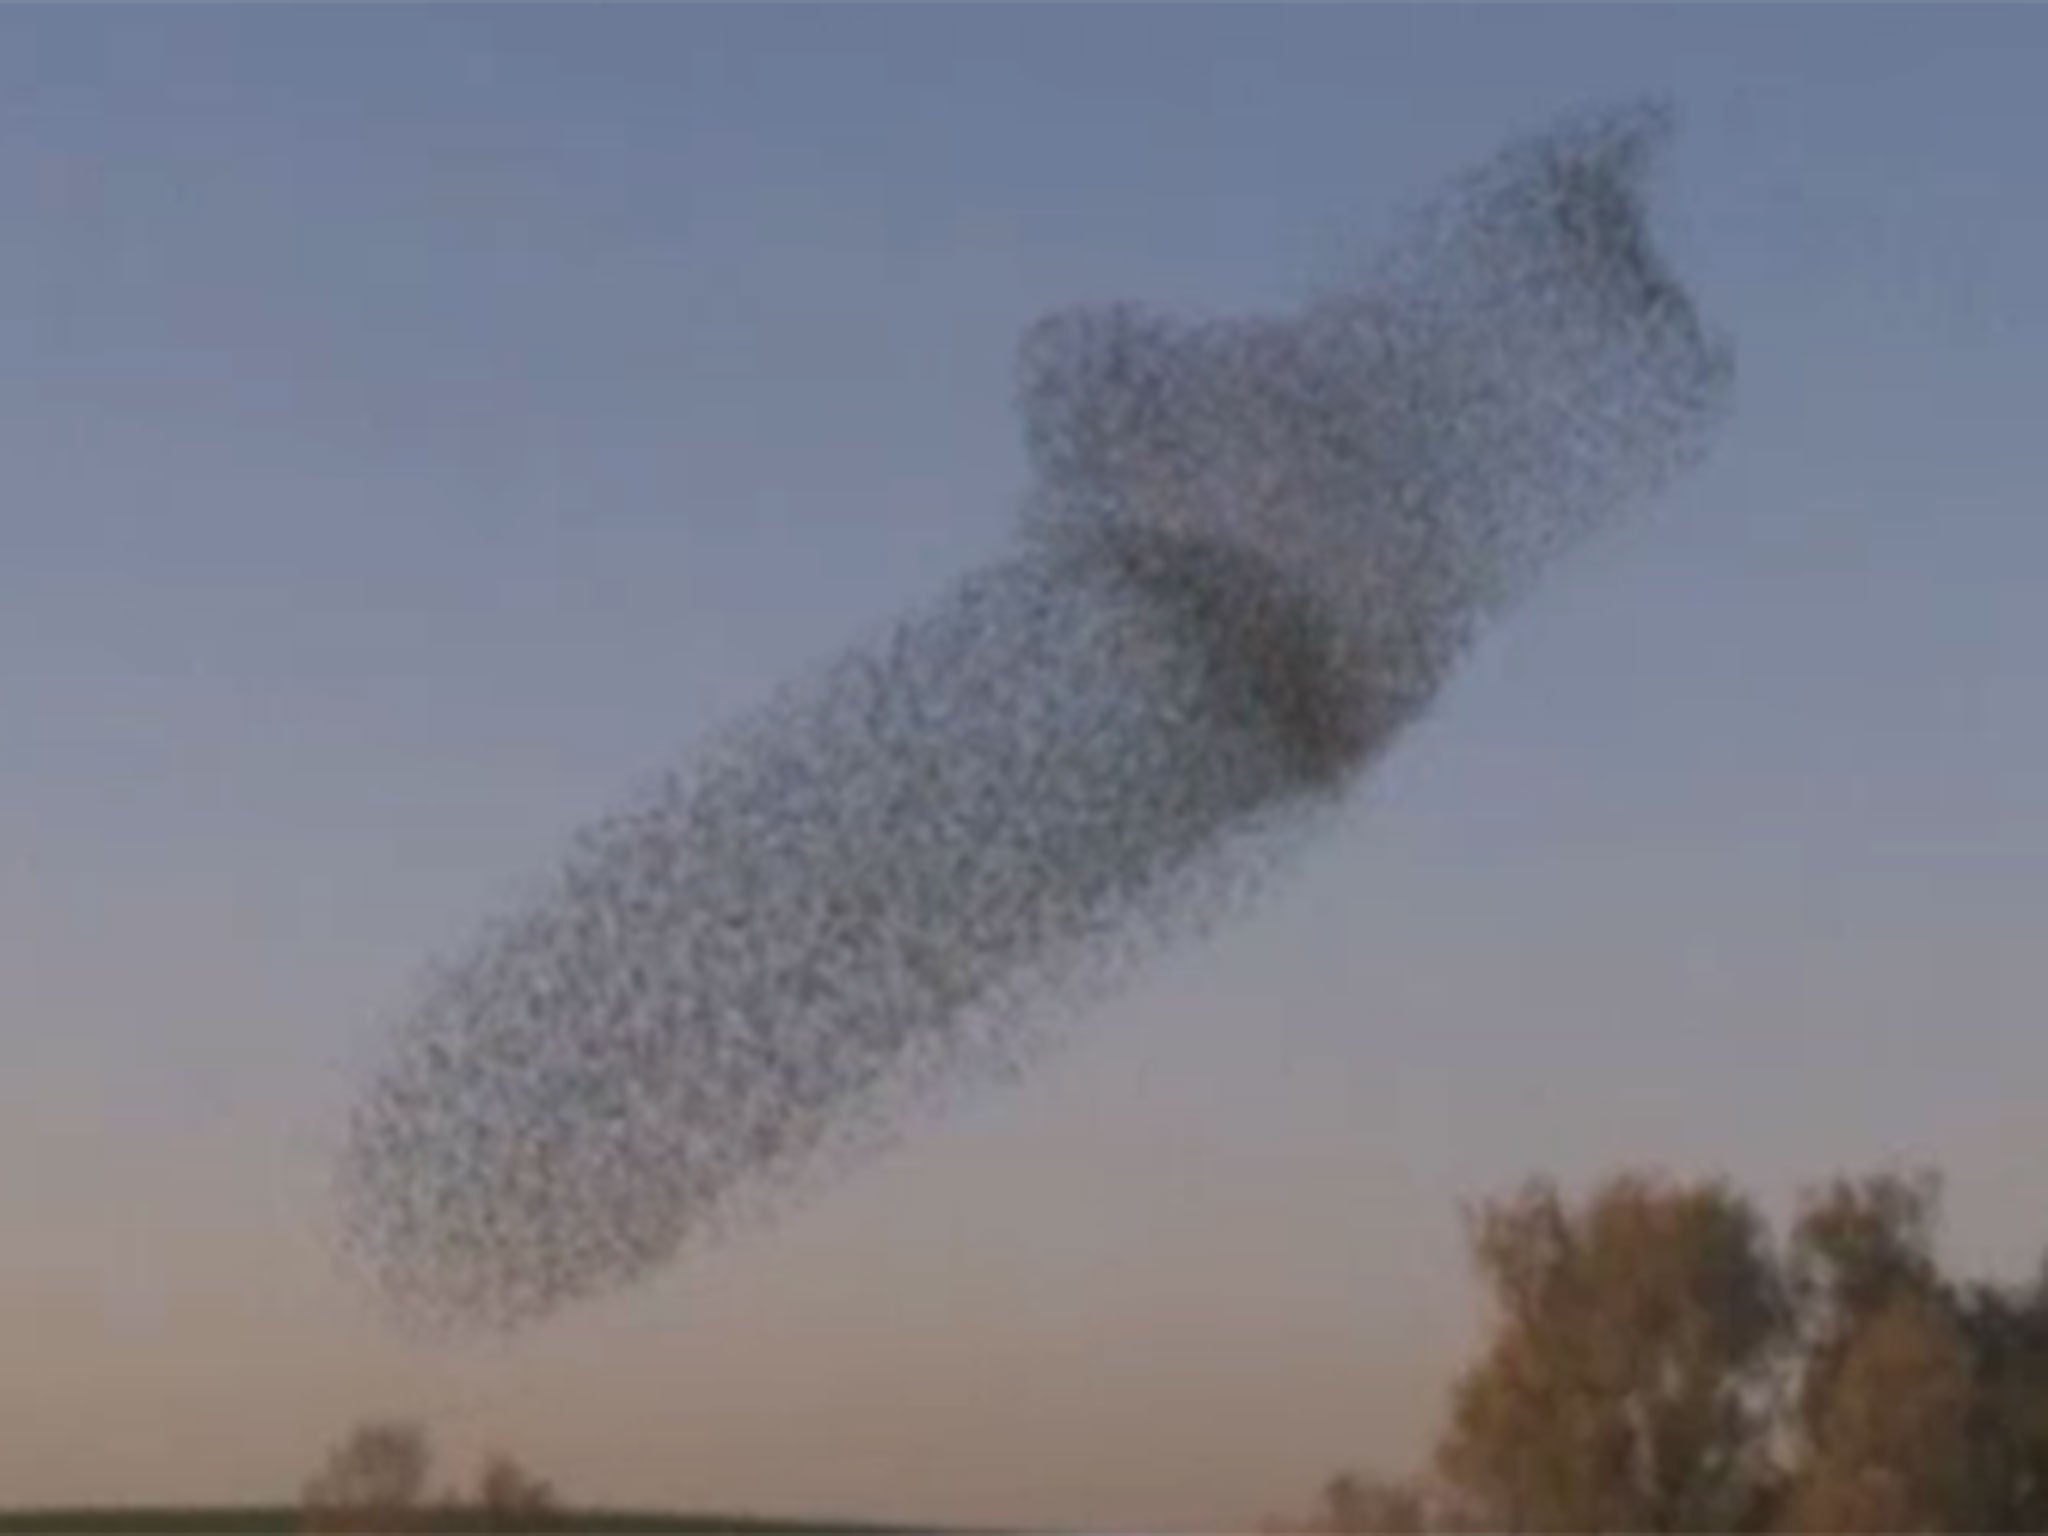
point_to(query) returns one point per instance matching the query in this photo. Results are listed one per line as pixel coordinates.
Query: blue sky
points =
(417, 425)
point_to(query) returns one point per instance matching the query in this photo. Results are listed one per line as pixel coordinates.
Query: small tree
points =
(511, 1497)
(1354, 1504)
(371, 1482)
(1372, 1506)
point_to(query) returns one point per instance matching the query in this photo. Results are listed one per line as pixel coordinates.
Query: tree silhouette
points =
(511, 1497)
(371, 1482)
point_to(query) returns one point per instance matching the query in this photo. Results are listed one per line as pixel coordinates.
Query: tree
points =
(1658, 1364)
(1357, 1504)
(1859, 1243)
(511, 1497)
(1627, 1385)
(1370, 1506)
(1923, 1403)
(1883, 1415)
(2007, 1332)
(1890, 1439)
(372, 1481)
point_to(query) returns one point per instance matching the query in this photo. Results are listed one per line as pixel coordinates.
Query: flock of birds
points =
(1251, 552)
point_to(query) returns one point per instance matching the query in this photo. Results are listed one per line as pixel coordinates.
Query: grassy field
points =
(278, 1519)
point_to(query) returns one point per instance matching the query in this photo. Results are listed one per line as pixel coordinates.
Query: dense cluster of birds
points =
(1251, 550)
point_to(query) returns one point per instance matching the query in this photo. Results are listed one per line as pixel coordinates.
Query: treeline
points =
(377, 1481)
(1660, 1360)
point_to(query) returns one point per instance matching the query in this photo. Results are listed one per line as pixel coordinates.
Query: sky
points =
(417, 425)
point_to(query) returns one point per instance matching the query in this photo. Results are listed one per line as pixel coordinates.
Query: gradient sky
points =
(416, 425)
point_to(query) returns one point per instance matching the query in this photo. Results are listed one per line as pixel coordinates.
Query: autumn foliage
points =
(1658, 1361)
